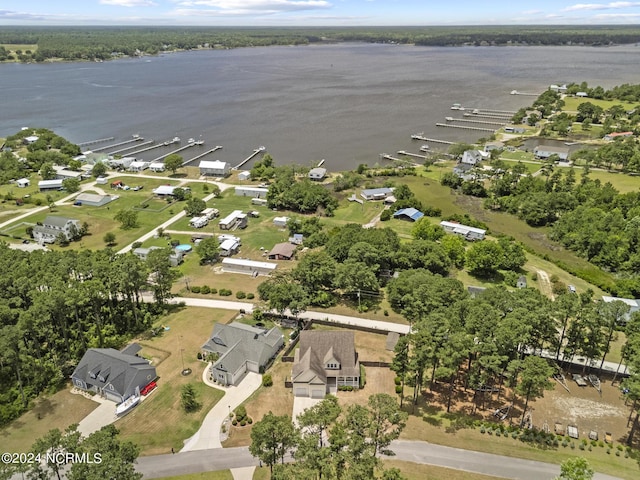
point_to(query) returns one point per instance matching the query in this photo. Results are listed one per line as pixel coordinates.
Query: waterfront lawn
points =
(571, 103)
(531, 167)
(159, 423)
(517, 155)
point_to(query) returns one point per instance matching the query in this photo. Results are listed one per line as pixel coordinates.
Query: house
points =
(23, 182)
(280, 221)
(63, 173)
(50, 185)
(229, 246)
(210, 213)
(54, 226)
(247, 267)
(317, 174)
(215, 168)
(138, 166)
(112, 374)
(240, 349)
(156, 167)
(469, 233)
(120, 163)
(463, 170)
(94, 200)
(165, 190)
(175, 256)
(545, 151)
(582, 94)
(558, 88)
(410, 214)
(235, 219)
(31, 139)
(473, 157)
(489, 146)
(376, 193)
(282, 251)
(634, 306)
(514, 129)
(198, 222)
(324, 361)
(522, 282)
(614, 135)
(253, 192)
(244, 175)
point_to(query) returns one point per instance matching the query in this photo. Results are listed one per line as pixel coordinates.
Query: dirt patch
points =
(545, 283)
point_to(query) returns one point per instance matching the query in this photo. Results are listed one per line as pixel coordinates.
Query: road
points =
(159, 466)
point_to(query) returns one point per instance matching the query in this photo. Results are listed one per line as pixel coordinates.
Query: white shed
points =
(23, 182)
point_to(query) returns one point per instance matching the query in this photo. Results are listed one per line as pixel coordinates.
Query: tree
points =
(272, 437)
(400, 363)
(317, 419)
(173, 162)
(208, 250)
(161, 273)
(47, 171)
(284, 293)
(71, 185)
(484, 258)
(54, 443)
(576, 468)
(128, 219)
(534, 379)
(109, 238)
(423, 229)
(99, 169)
(194, 206)
(188, 398)
(454, 246)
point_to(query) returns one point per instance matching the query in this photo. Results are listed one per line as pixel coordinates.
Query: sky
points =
(314, 12)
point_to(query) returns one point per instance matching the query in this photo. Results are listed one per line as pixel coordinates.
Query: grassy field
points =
(418, 471)
(622, 182)
(516, 155)
(159, 422)
(530, 167)
(49, 411)
(571, 103)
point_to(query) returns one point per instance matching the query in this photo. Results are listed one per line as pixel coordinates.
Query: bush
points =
(199, 356)
(250, 296)
(385, 215)
(205, 289)
(386, 313)
(195, 289)
(234, 422)
(398, 389)
(249, 420)
(397, 381)
(135, 245)
(240, 295)
(267, 380)
(241, 413)
(243, 422)
(223, 292)
(213, 291)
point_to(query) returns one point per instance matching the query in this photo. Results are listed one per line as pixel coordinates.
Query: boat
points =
(191, 140)
(418, 136)
(594, 381)
(456, 106)
(176, 140)
(514, 92)
(199, 142)
(127, 405)
(424, 148)
(449, 119)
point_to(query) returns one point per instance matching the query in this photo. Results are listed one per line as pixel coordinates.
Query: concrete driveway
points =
(300, 404)
(208, 436)
(103, 415)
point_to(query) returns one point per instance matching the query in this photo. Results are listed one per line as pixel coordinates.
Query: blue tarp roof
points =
(412, 213)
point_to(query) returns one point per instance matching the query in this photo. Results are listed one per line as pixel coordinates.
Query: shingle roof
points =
(317, 347)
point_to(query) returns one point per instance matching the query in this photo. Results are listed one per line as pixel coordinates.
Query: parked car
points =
(572, 289)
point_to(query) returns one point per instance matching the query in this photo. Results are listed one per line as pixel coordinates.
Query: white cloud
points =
(243, 7)
(601, 6)
(129, 3)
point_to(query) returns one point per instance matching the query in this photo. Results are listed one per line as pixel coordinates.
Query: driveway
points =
(103, 415)
(208, 436)
(300, 404)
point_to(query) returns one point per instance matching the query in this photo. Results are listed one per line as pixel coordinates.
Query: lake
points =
(346, 103)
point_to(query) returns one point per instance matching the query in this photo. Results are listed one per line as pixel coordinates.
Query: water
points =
(345, 103)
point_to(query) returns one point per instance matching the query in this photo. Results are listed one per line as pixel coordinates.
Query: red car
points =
(146, 390)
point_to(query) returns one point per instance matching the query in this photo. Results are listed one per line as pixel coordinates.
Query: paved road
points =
(418, 452)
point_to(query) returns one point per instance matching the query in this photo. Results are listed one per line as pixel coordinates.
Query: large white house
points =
(53, 226)
(215, 168)
(469, 233)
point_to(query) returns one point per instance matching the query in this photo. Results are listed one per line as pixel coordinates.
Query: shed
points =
(94, 200)
(280, 221)
(102, 180)
(23, 182)
(282, 251)
(244, 175)
(411, 214)
(317, 173)
(522, 282)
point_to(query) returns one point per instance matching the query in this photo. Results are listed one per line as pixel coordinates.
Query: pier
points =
(161, 157)
(409, 154)
(418, 136)
(497, 116)
(148, 142)
(386, 156)
(435, 140)
(134, 139)
(197, 157)
(488, 110)
(528, 94)
(486, 122)
(465, 127)
(93, 142)
(255, 152)
(146, 149)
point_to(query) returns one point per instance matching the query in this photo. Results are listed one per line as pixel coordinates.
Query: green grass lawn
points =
(517, 155)
(622, 182)
(530, 167)
(571, 103)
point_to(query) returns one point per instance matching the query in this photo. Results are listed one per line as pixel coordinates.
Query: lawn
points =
(622, 182)
(530, 167)
(49, 411)
(516, 155)
(419, 471)
(159, 422)
(571, 103)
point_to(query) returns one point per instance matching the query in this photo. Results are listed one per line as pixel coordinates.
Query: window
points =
(333, 366)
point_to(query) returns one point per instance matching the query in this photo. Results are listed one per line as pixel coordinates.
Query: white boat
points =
(424, 148)
(176, 140)
(199, 142)
(455, 106)
(127, 405)
(418, 136)
(191, 140)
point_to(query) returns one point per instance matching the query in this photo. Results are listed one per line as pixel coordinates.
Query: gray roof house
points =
(545, 151)
(53, 226)
(325, 360)
(113, 374)
(473, 157)
(241, 348)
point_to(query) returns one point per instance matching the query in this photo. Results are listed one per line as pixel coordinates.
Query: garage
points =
(317, 393)
(301, 392)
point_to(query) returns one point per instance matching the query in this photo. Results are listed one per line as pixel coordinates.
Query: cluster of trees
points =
(304, 196)
(263, 169)
(331, 442)
(55, 305)
(625, 92)
(623, 153)
(101, 455)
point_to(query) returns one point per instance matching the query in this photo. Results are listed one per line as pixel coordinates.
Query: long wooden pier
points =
(255, 152)
(386, 156)
(409, 154)
(93, 142)
(486, 122)
(435, 140)
(488, 110)
(147, 149)
(148, 142)
(497, 116)
(197, 157)
(188, 145)
(107, 147)
(464, 127)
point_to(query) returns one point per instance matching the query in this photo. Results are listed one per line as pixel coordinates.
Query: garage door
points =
(317, 393)
(301, 392)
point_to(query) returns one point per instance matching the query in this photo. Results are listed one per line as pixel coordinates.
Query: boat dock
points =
(107, 147)
(478, 111)
(419, 136)
(255, 152)
(528, 94)
(197, 157)
(409, 154)
(486, 122)
(386, 156)
(435, 140)
(496, 116)
(464, 127)
(320, 163)
(162, 157)
(93, 142)
(146, 149)
(148, 142)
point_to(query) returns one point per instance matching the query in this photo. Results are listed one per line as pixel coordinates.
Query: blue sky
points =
(314, 12)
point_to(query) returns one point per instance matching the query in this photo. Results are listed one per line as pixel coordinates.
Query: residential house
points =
(473, 157)
(215, 168)
(120, 163)
(324, 361)
(115, 375)
(558, 88)
(235, 219)
(371, 194)
(545, 151)
(410, 214)
(240, 349)
(463, 170)
(198, 222)
(514, 129)
(317, 174)
(94, 200)
(469, 233)
(138, 166)
(157, 167)
(229, 246)
(247, 267)
(253, 192)
(175, 256)
(282, 251)
(167, 190)
(210, 213)
(63, 173)
(493, 146)
(31, 139)
(44, 185)
(634, 306)
(54, 226)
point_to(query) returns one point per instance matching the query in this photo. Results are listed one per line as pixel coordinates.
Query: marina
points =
(255, 152)
(136, 138)
(162, 157)
(465, 127)
(115, 152)
(146, 149)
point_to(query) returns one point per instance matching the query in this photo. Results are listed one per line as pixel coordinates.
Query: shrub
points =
(241, 413)
(195, 289)
(398, 389)
(397, 381)
(234, 422)
(482, 430)
(386, 313)
(135, 245)
(249, 420)
(213, 290)
(243, 422)
(267, 380)
(199, 356)
(205, 289)
(223, 292)
(240, 295)
(250, 296)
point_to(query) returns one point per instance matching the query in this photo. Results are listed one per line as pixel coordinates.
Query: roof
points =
(22, 180)
(122, 370)
(48, 183)
(241, 262)
(153, 165)
(317, 172)
(215, 164)
(552, 149)
(319, 347)
(463, 167)
(164, 190)
(229, 244)
(633, 303)
(91, 197)
(231, 217)
(413, 213)
(283, 249)
(459, 228)
(374, 192)
(238, 343)
(57, 221)
(252, 189)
